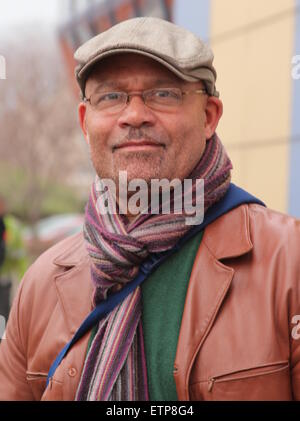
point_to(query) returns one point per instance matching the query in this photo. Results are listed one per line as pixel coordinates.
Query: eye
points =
(163, 93)
(166, 94)
(109, 96)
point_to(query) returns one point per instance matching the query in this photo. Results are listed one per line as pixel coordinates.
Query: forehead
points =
(121, 68)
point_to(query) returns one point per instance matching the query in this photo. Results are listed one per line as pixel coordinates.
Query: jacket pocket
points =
(37, 383)
(263, 382)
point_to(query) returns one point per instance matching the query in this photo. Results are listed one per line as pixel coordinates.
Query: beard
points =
(144, 165)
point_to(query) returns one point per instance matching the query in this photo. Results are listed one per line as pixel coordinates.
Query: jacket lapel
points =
(228, 236)
(74, 284)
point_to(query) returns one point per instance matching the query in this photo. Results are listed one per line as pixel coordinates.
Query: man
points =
(217, 319)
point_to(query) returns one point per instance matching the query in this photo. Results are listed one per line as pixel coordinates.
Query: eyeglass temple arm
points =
(198, 91)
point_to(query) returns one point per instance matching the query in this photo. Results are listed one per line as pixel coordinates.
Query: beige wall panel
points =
(228, 15)
(254, 80)
(262, 174)
(238, 175)
(232, 87)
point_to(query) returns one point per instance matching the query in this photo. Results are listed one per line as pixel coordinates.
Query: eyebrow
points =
(154, 83)
(107, 84)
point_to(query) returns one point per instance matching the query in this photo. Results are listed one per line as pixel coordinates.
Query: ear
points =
(213, 111)
(82, 120)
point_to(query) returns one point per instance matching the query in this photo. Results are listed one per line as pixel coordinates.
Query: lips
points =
(139, 143)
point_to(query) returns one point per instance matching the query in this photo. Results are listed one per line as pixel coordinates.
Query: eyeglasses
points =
(160, 99)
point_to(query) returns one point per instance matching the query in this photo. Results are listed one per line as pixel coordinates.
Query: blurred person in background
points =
(2, 232)
(215, 320)
(14, 258)
(16, 261)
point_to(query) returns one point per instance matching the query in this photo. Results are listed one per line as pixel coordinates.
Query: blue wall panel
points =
(193, 15)
(294, 176)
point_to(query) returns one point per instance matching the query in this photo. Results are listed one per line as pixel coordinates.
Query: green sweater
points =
(163, 295)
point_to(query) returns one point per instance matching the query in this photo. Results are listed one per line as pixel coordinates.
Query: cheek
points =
(188, 135)
(189, 143)
(98, 132)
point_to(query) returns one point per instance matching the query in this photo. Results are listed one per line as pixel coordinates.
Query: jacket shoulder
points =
(271, 224)
(276, 243)
(67, 252)
(37, 294)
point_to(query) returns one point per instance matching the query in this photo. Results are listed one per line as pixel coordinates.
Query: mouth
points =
(139, 145)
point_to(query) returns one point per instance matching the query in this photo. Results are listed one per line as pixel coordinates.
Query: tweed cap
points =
(174, 47)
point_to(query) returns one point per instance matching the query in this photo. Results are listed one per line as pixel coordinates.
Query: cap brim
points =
(83, 72)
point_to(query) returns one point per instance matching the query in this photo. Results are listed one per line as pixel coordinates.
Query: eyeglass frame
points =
(141, 94)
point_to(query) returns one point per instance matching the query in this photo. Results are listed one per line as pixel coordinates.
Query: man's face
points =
(179, 135)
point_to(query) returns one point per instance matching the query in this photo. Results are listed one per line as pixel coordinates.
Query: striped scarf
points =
(115, 366)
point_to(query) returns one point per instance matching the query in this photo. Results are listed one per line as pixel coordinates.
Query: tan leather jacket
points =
(239, 338)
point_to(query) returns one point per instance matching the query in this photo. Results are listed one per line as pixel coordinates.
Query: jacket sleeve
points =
(293, 272)
(13, 382)
(295, 338)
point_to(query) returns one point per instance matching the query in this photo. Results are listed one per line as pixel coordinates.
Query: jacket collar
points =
(74, 285)
(229, 235)
(235, 241)
(73, 253)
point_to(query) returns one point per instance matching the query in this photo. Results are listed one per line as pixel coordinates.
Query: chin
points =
(142, 170)
(141, 175)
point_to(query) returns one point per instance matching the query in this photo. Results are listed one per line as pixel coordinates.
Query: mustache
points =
(135, 134)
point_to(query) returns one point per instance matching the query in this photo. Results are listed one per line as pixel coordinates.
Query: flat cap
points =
(178, 49)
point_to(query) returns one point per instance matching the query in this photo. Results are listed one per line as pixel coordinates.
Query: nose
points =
(136, 114)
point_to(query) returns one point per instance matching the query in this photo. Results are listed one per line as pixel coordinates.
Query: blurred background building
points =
(254, 43)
